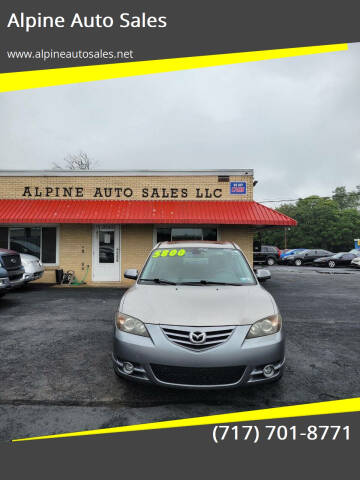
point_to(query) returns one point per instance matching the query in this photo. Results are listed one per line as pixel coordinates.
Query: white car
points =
(33, 267)
(356, 262)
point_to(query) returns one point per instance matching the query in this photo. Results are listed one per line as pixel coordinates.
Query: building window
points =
(48, 245)
(169, 234)
(38, 241)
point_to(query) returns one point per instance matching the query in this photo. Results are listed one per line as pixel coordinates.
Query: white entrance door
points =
(106, 253)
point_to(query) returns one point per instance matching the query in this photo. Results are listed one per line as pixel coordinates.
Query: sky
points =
(295, 121)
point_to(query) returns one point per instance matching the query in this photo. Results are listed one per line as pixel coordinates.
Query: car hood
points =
(26, 256)
(198, 305)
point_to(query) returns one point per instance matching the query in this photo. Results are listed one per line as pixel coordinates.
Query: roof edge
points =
(124, 173)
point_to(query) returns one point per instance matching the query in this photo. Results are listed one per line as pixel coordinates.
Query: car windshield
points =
(302, 251)
(338, 255)
(197, 265)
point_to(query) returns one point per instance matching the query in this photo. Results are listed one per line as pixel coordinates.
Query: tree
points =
(347, 199)
(322, 223)
(79, 161)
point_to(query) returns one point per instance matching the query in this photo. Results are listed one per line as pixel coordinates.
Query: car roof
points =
(195, 243)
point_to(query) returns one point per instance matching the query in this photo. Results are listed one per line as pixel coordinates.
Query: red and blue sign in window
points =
(238, 188)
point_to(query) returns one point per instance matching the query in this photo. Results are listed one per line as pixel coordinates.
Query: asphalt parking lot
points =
(56, 372)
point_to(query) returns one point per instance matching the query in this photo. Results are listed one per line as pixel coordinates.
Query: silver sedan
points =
(197, 317)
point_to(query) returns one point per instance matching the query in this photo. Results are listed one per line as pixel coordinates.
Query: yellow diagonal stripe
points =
(322, 408)
(63, 76)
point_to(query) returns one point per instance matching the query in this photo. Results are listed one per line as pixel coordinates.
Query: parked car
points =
(355, 262)
(33, 267)
(355, 251)
(4, 281)
(339, 259)
(294, 251)
(11, 262)
(266, 254)
(306, 257)
(197, 317)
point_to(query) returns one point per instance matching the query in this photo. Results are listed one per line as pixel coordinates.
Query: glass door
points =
(106, 253)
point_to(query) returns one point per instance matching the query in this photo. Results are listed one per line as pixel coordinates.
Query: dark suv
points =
(11, 268)
(266, 254)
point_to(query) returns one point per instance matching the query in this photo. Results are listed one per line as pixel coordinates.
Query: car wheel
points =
(331, 264)
(270, 261)
(298, 262)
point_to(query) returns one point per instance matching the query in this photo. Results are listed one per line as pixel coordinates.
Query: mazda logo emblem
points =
(13, 260)
(197, 337)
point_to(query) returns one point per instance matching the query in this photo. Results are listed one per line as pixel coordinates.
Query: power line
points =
(350, 194)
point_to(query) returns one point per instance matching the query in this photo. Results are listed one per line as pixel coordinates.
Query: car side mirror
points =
(131, 273)
(262, 274)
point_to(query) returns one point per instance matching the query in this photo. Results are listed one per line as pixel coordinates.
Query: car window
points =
(195, 264)
(264, 249)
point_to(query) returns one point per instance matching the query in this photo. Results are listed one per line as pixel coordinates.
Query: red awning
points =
(140, 211)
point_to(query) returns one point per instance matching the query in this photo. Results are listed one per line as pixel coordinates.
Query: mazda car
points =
(198, 317)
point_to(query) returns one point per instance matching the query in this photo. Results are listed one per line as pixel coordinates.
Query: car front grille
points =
(209, 337)
(13, 278)
(11, 261)
(198, 376)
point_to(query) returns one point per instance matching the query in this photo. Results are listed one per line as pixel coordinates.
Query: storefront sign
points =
(122, 192)
(238, 188)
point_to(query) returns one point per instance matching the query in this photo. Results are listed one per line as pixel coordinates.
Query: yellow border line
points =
(321, 408)
(62, 76)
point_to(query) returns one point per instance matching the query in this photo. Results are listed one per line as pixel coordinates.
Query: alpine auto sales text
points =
(121, 192)
(124, 20)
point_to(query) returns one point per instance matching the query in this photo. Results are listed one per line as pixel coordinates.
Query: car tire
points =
(270, 261)
(331, 264)
(298, 262)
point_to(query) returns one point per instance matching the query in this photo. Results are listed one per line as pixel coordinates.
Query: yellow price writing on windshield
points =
(169, 253)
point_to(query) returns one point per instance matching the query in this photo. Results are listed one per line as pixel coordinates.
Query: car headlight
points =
(266, 326)
(129, 324)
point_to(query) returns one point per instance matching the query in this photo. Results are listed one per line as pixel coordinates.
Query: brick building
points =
(103, 222)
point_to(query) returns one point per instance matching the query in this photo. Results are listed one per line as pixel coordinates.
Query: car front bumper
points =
(236, 362)
(31, 276)
(4, 284)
